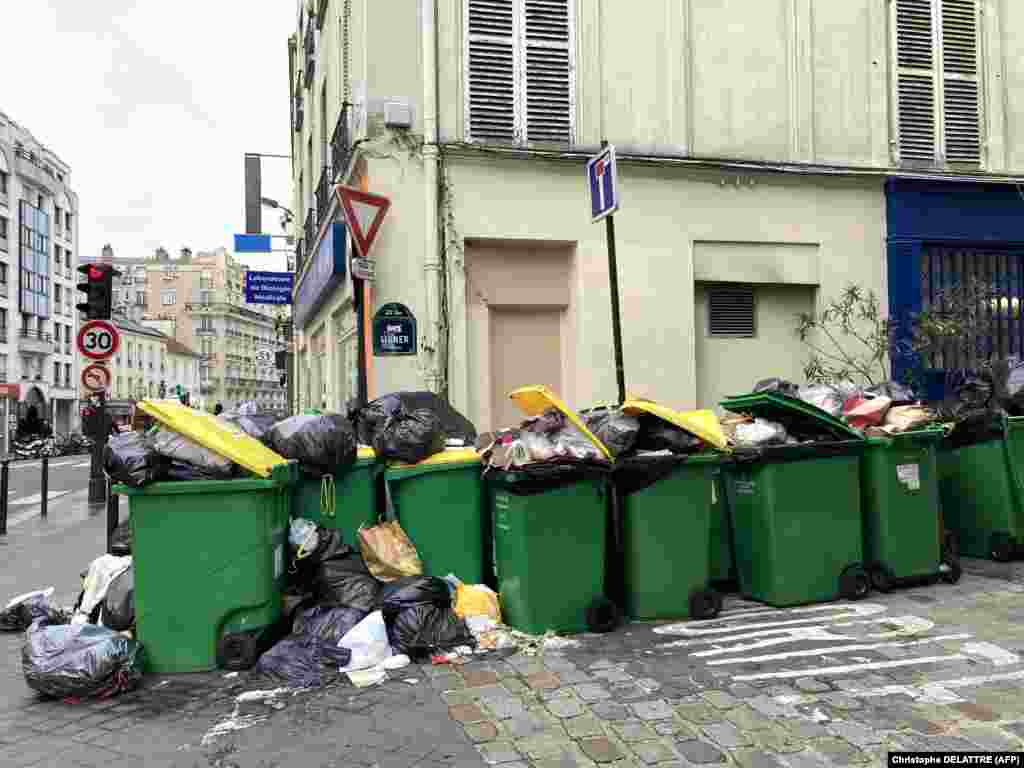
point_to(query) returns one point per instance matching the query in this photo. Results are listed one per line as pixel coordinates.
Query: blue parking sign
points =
(602, 181)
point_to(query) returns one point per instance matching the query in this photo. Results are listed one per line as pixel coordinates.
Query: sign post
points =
(602, 182)
(98, 340)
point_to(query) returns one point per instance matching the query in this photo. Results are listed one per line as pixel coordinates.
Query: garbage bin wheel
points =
(238, 652)
(951, 571)
(854, 583)
(1002, 547)
(705, 604)
(950, 543)
(881, 578)
(603, 616)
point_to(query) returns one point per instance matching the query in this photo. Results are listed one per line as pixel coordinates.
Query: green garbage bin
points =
(720, 554)
(900, 498)
(796, 509)
(440, 504)
(665, 506)
(343, 501)
(210, 560)
(550, 539)
(980, 483)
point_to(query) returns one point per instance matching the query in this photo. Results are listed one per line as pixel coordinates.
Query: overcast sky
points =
(153, 104)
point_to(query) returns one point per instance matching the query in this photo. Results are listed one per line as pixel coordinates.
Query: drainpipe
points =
(431, 242)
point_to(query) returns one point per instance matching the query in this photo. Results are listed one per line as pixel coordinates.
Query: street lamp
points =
(286, 215)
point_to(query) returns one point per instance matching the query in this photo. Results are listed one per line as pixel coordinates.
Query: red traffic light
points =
(95, 273)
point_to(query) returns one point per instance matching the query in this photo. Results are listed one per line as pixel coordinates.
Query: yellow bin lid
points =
(533, 401)
(703, 423)
(216, 434)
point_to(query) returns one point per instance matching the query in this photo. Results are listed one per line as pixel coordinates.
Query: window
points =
(56, 255)
(56, 373)
(732, 311)
(3, 234)
(204, 298)
(57, 219)
(140, 298)
(35, 265)
(67, 259)
(519, 71)
(168, 298)
(206, 280)
(938, 97)
(3, 274)
(56, 293)
(67, 225)
(3, 321)
(67, 374)
(3, 183)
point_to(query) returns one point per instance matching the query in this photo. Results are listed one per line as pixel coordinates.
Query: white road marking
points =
(846, 669)
(835, 649)
(36, 498)
(992, 653)
(714, 626)
(940, 692)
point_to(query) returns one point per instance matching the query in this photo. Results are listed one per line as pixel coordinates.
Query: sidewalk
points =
(931, 668)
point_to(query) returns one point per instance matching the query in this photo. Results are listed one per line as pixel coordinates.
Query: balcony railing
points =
(35, 341)
(310, 230)
(309, 46)
(3, 289)
(3, 377)
(323, 193)
(341, 143)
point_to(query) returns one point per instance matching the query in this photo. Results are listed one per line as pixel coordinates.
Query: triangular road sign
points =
(363, 213)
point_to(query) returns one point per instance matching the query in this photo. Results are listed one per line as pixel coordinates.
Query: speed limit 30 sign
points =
(98, 340)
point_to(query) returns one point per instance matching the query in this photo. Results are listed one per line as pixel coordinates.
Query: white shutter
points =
(491, 70)
(519, 70)
(961, 101)
(549, 93)
(915, 81)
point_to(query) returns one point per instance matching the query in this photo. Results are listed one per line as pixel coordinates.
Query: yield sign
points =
(363, 214)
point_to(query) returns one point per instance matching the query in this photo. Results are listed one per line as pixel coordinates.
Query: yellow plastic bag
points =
(388, 552)
(476, 600)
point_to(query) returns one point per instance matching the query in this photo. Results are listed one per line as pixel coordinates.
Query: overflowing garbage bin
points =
(796, 508)
(210, 559)
(342, 501)
(440, 504)
(665, 505)
(900, 497)
(721, 562)
(550, 538)
(980, 483)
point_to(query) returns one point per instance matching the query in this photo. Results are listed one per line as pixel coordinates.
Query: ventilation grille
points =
(732, 311)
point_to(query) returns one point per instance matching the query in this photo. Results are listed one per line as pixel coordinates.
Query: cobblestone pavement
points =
(930, 668)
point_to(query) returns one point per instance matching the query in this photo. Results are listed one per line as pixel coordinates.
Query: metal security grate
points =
(943, 268)
(732, 311)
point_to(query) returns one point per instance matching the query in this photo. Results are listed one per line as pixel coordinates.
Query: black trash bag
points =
(129, 458)
(410, 437)
(411, 591)
(255, 425)
(119, 604)
(326, 623)
(336, 575)
(303, 661)
(23, 614)
(977, 426)
(658, 435)
(322, 444)
(303, 573)
(617, 430)
(80, 661)
(423, 630)
(900, 394)
(779, 387)
(182, 470)
(635, 473)
(372, 418)
(121, 540)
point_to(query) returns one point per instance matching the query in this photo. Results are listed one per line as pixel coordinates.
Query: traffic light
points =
(98, 290)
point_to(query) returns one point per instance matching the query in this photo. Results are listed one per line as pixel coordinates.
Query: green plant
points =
(956, 327)
(849, 339)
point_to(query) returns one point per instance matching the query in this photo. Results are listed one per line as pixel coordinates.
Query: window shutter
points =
(915, 81)
(961, 100)
(732, 311)
(549, 97)
(491, 70)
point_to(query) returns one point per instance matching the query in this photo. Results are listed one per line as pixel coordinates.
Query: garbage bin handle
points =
(328, 499)
(746, 456)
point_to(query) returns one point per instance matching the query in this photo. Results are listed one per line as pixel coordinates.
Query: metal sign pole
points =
(613, 277)
(97, 480)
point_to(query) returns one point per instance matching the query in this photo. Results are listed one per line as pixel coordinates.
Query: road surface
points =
(67, 474)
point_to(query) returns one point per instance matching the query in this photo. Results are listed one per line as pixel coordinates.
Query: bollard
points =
(113, 515)
(46, 484)
(5, 471)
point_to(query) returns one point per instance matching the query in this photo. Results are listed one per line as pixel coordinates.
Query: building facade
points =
(754, 163)
(140, 366)
(181, 372)
(198, 300)
(38, 258)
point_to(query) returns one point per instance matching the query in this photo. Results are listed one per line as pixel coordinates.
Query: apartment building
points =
(198, 300)
(38, 257)
(769, 154)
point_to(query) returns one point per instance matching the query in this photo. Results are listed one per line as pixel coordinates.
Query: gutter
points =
(433, 281)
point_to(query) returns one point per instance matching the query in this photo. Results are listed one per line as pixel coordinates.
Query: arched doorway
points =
(33, 410)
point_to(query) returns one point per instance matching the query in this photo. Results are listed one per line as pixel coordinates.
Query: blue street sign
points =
(268, 287)
(603, 184)
(323, 275)
(252, 243)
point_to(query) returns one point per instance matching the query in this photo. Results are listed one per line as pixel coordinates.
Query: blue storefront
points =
(941, 233)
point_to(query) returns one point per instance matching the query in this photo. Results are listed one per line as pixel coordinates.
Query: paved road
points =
(67, 474)
(930, 668)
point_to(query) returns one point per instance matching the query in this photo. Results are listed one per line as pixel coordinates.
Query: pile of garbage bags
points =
(360, 608)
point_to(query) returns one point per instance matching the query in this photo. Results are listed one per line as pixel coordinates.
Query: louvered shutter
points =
(732, 311)
(915, 81)
(960, 85)
(549, 76)
(492, 70)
